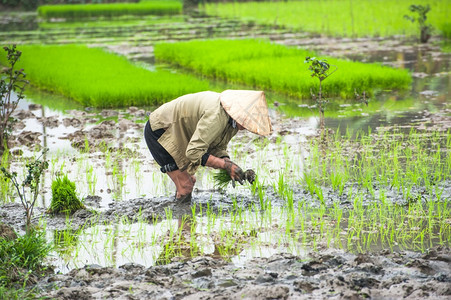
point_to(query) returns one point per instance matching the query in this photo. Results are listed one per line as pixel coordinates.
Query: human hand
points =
(250, 176)
(234, 171)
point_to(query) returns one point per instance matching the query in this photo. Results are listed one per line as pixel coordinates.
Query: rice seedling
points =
(97, 78)
(79, 11)
(65, 242)
(64, 196)
(119, 242)
(222, 178)
(382, 163)
(91, 179)
(350, 19)
(269, 66)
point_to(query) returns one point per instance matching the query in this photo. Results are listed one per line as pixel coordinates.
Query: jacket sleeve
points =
(221, 149)
(219, 153)
(209, 127)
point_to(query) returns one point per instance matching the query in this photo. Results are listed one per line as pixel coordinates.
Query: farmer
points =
(195, 129)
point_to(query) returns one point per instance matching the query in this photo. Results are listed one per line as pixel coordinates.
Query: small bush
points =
(64, 197)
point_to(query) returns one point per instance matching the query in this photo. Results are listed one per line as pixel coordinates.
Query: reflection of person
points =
(195, 129)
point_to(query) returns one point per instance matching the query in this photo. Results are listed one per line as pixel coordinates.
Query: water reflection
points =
(112, 245)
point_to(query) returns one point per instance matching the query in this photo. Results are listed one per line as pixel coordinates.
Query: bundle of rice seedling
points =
(222, 178)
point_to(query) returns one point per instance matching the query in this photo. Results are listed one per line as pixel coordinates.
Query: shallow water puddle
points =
(151, 244)
(109, 245)
(246, 233)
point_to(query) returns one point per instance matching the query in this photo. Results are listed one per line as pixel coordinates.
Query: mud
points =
(330, 274)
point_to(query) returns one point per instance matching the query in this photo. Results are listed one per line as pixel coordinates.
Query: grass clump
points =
(64, 196)
(97, 78)
(79, 11)
(334, 17)
(22, 260)
(264, 65)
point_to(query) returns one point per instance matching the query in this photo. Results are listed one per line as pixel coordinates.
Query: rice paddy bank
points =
(268, 66)
(343, 18)
(97, 78)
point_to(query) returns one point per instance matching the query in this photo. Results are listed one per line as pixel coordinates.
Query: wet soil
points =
(330, 274)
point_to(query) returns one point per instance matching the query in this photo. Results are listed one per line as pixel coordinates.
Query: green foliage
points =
(425, 28)
(64, 196)
(357, 18)
(22, 257)
(35, 169)
(78, 11)
(97, 78)
(321, 70)
(263, 65)
(14, 82)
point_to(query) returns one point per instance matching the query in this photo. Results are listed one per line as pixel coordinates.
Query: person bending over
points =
(195, 129)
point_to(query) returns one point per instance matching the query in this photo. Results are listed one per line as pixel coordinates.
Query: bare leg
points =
(184, 183)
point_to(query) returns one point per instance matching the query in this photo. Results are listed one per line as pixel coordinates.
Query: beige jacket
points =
(195, 124)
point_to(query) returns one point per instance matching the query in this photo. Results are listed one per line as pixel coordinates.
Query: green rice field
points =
(97, 78)
(77, 11)
(268, 66)
(351, 194)
(348, 18)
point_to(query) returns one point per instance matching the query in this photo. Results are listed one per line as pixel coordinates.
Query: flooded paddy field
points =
(364, 214)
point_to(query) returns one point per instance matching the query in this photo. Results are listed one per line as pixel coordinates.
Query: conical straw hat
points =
(248, 108)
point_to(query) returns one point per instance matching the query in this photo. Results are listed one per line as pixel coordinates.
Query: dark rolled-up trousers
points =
(161, 156)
